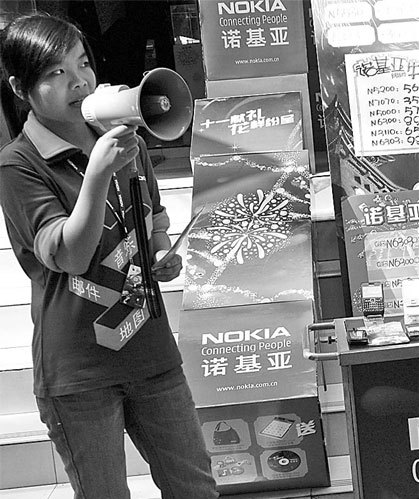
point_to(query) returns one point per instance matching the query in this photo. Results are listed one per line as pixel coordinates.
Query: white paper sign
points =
(383, 90)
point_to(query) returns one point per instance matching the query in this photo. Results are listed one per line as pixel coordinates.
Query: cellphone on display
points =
(412, 332)
(357, 336)
(372, 298)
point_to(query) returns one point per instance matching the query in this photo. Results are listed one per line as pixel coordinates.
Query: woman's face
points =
(57, 96)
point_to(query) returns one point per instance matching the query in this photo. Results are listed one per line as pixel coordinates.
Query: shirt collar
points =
(46, 142)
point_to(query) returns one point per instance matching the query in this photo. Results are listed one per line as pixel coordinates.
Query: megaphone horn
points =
(162, 104)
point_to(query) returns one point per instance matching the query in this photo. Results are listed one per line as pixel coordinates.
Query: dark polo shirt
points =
(38, 190)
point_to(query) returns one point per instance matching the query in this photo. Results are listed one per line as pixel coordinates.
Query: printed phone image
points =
(277, 428)
(372, 296)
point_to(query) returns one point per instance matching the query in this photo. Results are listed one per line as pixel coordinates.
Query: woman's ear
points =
(16, 87)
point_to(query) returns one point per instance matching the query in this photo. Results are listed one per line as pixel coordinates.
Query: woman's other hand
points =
(170, 270)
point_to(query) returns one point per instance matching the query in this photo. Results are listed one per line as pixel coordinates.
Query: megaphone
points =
(162, 104)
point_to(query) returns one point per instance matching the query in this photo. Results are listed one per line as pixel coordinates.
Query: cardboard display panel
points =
(382, 244)
(256, 395)
(275, 84)
(251, 176)
(247, 39)
(272, 445)
(247, 123)
(252, 244)
(247, 353)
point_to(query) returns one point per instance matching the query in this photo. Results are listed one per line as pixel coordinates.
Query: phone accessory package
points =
(385, 333)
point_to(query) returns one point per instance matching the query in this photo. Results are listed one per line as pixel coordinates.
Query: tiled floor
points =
(142, 487)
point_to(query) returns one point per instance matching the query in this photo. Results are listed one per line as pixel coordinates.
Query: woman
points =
(64, 190)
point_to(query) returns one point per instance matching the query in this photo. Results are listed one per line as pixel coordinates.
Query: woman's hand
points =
(114, 150)
(83, 228)
(170, 270)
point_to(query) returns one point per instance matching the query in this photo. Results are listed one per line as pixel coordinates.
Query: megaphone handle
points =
(143, 249)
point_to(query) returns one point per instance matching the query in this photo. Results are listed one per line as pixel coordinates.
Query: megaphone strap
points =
(141, 231)
(143, 248)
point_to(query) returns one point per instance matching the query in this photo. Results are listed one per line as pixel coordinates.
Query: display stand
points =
(381, 392)
(246, 299)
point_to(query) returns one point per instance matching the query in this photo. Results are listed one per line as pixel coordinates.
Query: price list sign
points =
(383, 91)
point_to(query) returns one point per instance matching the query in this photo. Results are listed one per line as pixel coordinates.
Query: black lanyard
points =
(120, 217)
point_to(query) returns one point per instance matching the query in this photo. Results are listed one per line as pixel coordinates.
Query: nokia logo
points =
(246, 335)
(250, 6)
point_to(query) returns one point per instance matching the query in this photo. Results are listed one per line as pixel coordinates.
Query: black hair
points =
(30, 44)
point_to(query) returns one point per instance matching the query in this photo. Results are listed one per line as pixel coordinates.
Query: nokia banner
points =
(252, 38)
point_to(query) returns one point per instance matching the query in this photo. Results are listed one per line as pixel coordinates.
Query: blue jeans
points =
(159, 415)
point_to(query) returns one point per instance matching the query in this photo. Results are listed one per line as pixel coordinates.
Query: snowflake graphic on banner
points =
(249, 226)
(241, 251)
